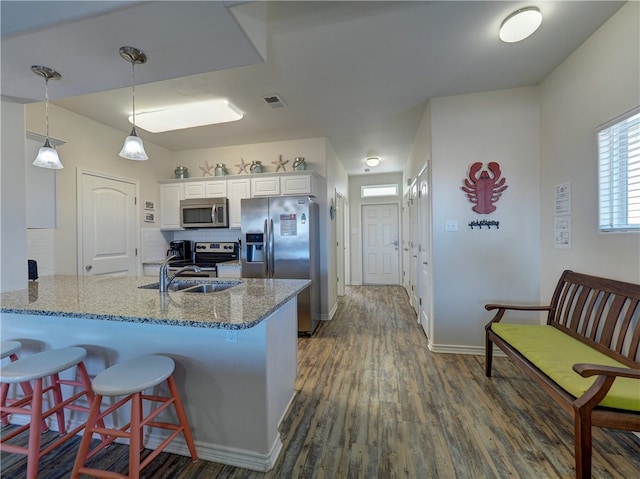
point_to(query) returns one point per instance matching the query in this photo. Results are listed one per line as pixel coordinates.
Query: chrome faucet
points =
(165, 278)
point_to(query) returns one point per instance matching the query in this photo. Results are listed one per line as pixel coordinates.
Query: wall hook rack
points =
(486, 223)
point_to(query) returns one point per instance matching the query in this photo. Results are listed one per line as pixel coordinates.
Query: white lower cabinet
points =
(170, 196)
(237, 190)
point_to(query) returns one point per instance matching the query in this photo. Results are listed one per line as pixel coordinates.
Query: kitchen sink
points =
(195, 286)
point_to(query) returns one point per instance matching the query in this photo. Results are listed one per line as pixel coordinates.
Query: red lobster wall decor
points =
(484, 189)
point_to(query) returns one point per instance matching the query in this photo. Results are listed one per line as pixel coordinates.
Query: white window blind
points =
(619, 174)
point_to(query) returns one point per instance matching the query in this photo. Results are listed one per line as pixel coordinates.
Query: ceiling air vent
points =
(274, 101)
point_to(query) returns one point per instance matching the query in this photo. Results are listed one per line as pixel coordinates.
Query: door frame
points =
(79, 220)
(341, 253)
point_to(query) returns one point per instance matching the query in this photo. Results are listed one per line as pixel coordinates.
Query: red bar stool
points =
(38, 367)
(130, 379)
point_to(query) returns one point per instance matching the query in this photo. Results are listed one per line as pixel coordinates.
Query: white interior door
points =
(424, 254)
(107, 214)
(413, 246)
(380, 248)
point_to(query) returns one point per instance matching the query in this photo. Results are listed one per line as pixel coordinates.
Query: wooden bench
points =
(592, 329)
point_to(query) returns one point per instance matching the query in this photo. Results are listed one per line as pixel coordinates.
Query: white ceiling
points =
(358, 73)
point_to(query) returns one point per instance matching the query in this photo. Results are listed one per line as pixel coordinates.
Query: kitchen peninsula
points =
(235, 350)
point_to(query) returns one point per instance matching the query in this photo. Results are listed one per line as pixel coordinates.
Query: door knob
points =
(88, 267)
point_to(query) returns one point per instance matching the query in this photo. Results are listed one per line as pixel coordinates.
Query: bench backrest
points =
(604, 313)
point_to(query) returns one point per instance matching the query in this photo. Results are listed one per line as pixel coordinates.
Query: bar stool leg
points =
(57, 399)
(85, 442)
(33, 458)
(182, 417)
(135, 444)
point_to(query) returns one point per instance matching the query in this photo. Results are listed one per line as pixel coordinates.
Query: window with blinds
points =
(619, 173)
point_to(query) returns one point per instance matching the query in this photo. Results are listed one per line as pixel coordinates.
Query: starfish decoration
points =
(242, 166)
(206, 169)
(280, 164)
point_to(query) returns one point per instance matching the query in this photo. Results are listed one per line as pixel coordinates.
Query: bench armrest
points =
(587, 370)
(599, 389)
(502, 308)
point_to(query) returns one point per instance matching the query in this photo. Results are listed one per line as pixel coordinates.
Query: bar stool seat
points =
(9, 348)
(130, 378)
(133, 376)
(42, 364)
(38, 367)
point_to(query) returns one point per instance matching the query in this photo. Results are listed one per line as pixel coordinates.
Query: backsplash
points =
(208, 234)
(40, 249)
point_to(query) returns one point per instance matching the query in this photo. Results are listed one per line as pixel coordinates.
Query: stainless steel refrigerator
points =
(280, 240)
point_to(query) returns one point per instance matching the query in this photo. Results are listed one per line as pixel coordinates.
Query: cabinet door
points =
(194, 190)
(215, 189)
(296, 185)
(237, 190)
(269, 186)
(170, 196)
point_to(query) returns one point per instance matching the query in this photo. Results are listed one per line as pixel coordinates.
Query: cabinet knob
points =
(88, 267)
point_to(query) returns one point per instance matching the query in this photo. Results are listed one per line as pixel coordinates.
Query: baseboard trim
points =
(461, 349)
(209, 452)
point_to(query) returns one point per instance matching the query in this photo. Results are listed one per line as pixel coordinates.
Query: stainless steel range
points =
(206, 255)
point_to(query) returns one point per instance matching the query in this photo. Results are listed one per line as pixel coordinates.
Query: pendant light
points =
(133, 149)
(47, 155)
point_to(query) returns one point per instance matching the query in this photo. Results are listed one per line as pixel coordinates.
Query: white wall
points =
(355, 214)
(473, 267)
(91, 146)
(337, 182)
(13, 209)
(598, 82)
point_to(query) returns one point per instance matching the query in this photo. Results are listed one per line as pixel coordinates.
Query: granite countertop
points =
(120, 299)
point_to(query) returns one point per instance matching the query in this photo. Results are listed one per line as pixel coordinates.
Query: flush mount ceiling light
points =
(47, 156)
(520, 24)
(133, 149)
(373, 161)
(192, 115)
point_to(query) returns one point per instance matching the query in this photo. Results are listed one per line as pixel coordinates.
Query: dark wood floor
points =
(373, 402)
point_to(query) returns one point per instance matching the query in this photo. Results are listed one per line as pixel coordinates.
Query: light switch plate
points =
(451, 225)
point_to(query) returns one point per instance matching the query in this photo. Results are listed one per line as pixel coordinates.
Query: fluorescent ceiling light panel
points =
(191, 115)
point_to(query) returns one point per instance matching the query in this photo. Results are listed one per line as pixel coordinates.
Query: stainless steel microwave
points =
(204, 213)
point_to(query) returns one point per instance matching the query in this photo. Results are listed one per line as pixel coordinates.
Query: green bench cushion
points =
(555, 353)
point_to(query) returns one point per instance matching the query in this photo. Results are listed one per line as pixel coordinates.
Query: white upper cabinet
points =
(170, 196)
(237, 190)
(215, 189)
(194, 190)
(205, 189)
(296, 185)
(265, 186)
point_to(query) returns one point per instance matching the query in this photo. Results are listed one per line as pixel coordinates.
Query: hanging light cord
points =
(46, 103)
(133, 90)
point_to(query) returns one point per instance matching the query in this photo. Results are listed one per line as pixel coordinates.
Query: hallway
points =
(373, 402)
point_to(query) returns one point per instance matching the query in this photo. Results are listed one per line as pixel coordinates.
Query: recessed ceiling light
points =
(373, 161)
(192, 115)
(520, 24)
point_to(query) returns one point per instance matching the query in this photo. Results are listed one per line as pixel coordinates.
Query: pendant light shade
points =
(47, 155)
(133, 149)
